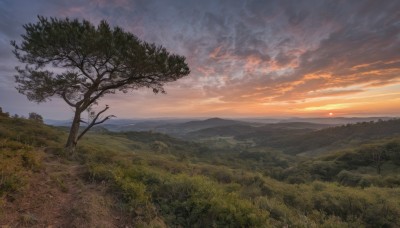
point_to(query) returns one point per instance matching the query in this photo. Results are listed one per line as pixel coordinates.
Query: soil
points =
(59, 196)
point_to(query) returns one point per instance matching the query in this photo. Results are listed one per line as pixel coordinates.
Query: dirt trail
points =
(57, 196)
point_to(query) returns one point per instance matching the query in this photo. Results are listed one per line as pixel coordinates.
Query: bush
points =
(10, 183)
(35, 117)
(16, 166)
(31, 161)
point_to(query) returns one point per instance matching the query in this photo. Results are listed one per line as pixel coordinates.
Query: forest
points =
(151, 179)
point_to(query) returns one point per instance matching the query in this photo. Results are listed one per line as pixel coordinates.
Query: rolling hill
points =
(145, 179)
(271, 130)
(320, 141)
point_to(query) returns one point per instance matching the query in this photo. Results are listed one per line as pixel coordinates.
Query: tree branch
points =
(80, 67)
(64, 96)
(93, 123)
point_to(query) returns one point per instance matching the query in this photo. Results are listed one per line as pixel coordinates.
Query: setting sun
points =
(298, 71)
(330, 114)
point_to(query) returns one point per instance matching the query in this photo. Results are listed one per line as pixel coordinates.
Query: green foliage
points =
(4, 114)
(101, 58)
(35, 117)
(80, 63)
(29, 133)
(182, 200)
(296, 141)
(160, 147)
(352, 167)
(16, 165)
(31, 160)
(216, 196)
(350, 179)
(19, 152)
(197, 185)
(59, 181)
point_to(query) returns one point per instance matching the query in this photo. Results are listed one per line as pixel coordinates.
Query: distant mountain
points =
(335, 120)
(175, 127)
(213, 122)
(147, 125)
(302, 137)
(299, 125)
(193, 124)
(182, 129)
(141, 125)
(270, 130)
(57, 122)
(231, 130)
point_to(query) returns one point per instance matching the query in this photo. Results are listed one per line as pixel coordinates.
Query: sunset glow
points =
(247, 58)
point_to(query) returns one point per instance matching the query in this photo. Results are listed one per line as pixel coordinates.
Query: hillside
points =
(266, 130)
(40, 187)
(144, 179)
(376, 163)
(180, 130)
(176, 127)
(336, 120)
(303, 138)
(328, 139)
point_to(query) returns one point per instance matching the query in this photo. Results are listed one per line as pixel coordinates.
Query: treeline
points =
(373, 164)
(31, 116)
(295, 142)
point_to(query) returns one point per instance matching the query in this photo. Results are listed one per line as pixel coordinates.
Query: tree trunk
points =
(378, 168)
(73, 133)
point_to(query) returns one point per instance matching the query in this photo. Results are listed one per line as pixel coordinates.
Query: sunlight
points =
(327, 107)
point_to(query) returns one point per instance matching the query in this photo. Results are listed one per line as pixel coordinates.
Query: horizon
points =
(249, 59)
(294, 118)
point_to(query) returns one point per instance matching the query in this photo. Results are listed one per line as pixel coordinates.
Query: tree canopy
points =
(80, 63)
(35, 117)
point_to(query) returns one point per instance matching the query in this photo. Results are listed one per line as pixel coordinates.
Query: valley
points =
(227, 173)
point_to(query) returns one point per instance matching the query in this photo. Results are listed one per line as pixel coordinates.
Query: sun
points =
(330, 114)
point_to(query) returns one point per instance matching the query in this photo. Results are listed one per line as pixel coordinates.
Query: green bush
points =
(10, 183)
(16, 165)
(348, 178)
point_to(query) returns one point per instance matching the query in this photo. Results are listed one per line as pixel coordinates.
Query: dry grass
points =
(57, 196)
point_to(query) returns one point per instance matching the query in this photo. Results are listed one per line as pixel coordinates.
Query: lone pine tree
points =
(81, 63)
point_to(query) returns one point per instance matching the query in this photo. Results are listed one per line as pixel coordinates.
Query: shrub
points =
(31, 161)
(348, 178)
(35, 117)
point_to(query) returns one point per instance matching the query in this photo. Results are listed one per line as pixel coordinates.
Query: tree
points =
(159, 146)
(81, 63)
(35, 117)
(393, 151)
(377, 156)
(4, 114)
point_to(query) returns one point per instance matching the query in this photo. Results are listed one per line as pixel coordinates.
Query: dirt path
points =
(57, 196)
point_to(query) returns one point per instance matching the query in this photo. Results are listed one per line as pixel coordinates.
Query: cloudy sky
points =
(247, 57)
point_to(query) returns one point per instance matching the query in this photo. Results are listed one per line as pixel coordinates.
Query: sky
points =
(248, 58)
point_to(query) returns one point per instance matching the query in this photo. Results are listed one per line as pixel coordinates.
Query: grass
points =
(16, 166)
(188, 184)
(158, 181)
(28, 219)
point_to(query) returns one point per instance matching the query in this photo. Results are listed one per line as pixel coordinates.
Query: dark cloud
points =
(246, 51)
(283, 59)
(363, 48)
